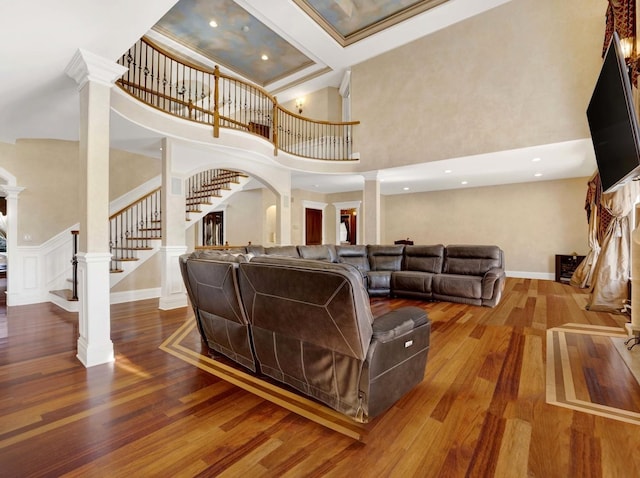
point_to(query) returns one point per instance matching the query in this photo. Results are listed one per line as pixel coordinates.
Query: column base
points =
(94, 318)
(95, 354)
(173, 293)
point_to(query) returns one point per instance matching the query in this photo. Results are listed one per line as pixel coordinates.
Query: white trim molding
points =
(348, 205)
(311, 205)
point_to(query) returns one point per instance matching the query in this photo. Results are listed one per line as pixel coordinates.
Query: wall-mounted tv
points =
(613, 122)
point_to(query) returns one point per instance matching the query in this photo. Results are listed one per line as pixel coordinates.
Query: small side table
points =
(566, 265)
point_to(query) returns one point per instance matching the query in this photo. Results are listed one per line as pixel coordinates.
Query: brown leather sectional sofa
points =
(469, 274)
(307, 324)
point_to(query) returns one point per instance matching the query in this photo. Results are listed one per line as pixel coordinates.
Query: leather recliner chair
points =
(313, 330)
(212, 286)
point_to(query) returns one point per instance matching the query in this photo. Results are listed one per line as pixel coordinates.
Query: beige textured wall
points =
(531, 222)
(127, 171)
(516, 76)
(244, 218)
(49, 172)
(147, 276)
(324, 104)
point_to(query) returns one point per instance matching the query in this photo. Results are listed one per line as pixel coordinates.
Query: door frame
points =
(311, 205)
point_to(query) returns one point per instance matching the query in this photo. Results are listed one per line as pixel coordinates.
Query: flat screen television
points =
(613, 122)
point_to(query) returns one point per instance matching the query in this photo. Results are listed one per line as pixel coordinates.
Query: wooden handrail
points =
(140, 199)
(191, 91)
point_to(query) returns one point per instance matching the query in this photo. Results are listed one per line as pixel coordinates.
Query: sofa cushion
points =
(424, 258)
(414, 281)
(467, 286)
(471, 260)
(286, 251)
(220, 255)
(354, 255)
(385, 258)
(379, 281)
(325, 252)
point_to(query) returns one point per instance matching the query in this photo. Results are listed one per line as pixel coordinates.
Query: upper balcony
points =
(189, 91)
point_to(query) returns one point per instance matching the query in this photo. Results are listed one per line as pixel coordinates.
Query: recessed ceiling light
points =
(535, 160)
(537, 175)
(264, 57)
(213, 24)
(405, 189)
(464, 182)
(447, 171)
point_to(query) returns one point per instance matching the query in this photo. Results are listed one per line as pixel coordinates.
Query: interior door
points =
(313, 226)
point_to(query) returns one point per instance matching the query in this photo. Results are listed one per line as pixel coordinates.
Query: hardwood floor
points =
(480, 410)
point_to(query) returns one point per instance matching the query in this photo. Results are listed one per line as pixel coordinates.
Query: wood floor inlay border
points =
(564, 367)
(179, 345)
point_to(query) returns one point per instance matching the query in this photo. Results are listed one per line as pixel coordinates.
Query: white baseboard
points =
(133, 295)
(531, 275)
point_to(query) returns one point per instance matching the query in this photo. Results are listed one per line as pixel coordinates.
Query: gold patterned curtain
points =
(610, 285)
(621, 17)
(607, 267)
(596, 218)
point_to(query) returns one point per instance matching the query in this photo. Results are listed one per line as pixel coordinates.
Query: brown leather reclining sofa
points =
(469, 274)
(307, 324)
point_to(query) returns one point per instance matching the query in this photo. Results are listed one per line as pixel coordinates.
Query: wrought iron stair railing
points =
(192, 92)
(134, 228)
(204, 186)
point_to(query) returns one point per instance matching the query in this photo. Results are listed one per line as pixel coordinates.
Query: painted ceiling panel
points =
(348, 21)
(238, 42)
(349, 16)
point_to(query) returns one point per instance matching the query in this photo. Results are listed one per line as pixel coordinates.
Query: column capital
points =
(11, 191)
(371, 175)
(86, 66)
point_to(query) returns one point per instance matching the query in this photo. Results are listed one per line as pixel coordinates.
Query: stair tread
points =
(132, 248)
(141, 238)
(66, 294)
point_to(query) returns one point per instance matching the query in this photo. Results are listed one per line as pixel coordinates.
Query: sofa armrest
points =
(492, 278)
(396, 358)
(398, 322)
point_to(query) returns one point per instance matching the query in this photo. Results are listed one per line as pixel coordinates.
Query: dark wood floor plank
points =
(480, 411)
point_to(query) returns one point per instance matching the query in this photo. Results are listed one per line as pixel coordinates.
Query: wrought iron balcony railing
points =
(186, 90)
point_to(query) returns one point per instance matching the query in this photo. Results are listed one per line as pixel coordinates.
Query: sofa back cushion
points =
(214, 289)
(325, 252)
(306, 302)
(354, 255)
(471, 260)
(286, 251)
(221, 255)
(424, 258)
(385, 258)
(256, 250)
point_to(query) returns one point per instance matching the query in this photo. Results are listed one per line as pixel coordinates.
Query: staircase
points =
(135, 231)
(208, 189)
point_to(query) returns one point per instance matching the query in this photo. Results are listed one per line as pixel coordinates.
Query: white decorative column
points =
(172, 291)
(13, 265)
(283, 211)
(95, 77)
(371, 208)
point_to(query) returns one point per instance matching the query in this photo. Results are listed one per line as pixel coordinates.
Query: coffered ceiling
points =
(310, 45)
(226, 33)
(348, 21)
